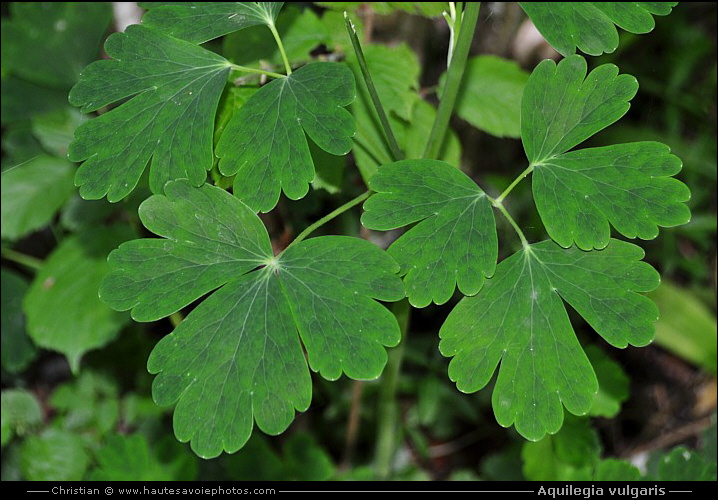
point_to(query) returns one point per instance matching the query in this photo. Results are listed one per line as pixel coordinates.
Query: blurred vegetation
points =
(75, 409)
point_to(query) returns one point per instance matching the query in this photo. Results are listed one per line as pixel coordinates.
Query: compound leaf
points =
(63, 311)
(236, 358)
(518, 319)
(198, 22)
(589, 26)
(454, 242)
(579, 193)
(174, 88)
(264, 143)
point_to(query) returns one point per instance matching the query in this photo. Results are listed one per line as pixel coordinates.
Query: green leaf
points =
(18, 351)
(589, 26)
(88, 404)
(198, 22)
(236, 357)
(300, 30)
(31, 194)
(22, 100)
(53, 456)
(129, 458)
(21, 412)
(49, 43)
(682, 464)
(612, 384)
(63, 310)
(264, 143)
(395, 73)
(55, 130)
(569, 454)
(305, 460)
(686, 326)
(519, 320)
(490, 95)
(454, 242)
(174, 88)
(612, 469)
(79, 214)
(579, 193)
(302, 460)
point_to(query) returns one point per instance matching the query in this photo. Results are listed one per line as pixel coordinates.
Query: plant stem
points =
(20, 258)
(395, 151)
(281, 48)
(330, 216)
(518, 179)
(467, 28)
(254, 70)
(388, 410)
(497, 204)
(176, 319)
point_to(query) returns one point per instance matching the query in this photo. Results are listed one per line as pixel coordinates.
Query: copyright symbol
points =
(108, 491)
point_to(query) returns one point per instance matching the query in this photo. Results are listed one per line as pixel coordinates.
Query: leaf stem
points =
(467, 27)
(255, 70)
(391, 139)
(281, 48)
(518, 179)
(20, 258)
(330, 216)
(498, 205)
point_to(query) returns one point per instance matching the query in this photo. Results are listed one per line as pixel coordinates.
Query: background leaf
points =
(18, 350)
(31, 194)
(63, 311)
(490, 95)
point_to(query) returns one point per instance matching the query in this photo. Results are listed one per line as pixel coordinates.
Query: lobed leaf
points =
(579, 193)
(519, 321)
(264, 143)
(199, 22)
(589, 26)
(174, 88)
(236, 358)
(454, 242)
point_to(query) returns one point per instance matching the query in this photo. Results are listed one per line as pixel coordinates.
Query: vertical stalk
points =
(388, 411)
(395, 151)
(467, 28)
